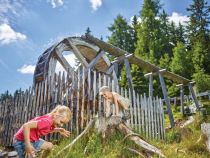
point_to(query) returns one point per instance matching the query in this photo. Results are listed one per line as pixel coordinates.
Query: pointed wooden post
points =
(129, 79)
(193, 95)
(181, 98)
(163, 86)
(150, 84)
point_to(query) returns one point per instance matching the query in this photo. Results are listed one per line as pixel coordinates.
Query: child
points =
(27, 139)
(121, 104)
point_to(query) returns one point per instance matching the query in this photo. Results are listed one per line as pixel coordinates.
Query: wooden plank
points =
(41, 98)
(131, 109)
(100, 98)
(89, 113)
(63, 61)
(78, 102)
(139, 113)
(171, 118)
(162, 119)
(155, 118)
(158, 118)
(96, 59)
(182, 99)
(149, 117)
(83, 97)
(129, 78)
(146, 116)
(150, 86)
(152, 117)
(73, 107)
(94, 92)
(135, 109)
(59, 88)
(193, 95)
(78, 54)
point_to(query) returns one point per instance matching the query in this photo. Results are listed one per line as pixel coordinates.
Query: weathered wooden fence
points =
(79, 91)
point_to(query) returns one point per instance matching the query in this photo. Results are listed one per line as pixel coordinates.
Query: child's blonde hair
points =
(62, 109)
(104, 89)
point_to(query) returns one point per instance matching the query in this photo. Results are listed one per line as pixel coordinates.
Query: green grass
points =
(179, 142)
(93, 146)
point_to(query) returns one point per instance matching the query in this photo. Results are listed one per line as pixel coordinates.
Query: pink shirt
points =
(44, 126)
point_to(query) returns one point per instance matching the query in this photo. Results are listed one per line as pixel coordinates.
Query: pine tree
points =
(198, 34)
(181, 62)
(122, 34)
(148, 44)
(88, 31)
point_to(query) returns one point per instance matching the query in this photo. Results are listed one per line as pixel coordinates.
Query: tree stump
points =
(105, 125)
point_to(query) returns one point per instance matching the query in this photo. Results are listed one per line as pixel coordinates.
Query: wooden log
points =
(171, 118)
(193, 96)
(142, 143)
(77, 53)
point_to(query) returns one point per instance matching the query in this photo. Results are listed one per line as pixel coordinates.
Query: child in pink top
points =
(27, 139)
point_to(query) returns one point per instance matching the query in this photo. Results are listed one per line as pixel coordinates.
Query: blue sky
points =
(28, 27)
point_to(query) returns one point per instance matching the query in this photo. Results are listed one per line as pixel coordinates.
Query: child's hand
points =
(64, 132)
(29, 151)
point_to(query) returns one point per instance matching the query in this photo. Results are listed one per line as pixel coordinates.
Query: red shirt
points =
(44, 126)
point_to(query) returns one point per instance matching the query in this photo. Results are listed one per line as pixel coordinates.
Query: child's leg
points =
(46, 145)
(20, 148)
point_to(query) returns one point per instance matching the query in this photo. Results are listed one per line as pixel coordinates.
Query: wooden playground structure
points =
(78, 89)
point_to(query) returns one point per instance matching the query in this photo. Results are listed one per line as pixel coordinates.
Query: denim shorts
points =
(20, 146)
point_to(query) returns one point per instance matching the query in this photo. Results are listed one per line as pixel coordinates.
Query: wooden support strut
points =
(96, 59)
(193, 95)
(150, 84)
(163, 86)
(77, 53)
(129, 78)
(181, 98)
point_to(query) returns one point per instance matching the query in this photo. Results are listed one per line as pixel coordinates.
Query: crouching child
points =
(27, 140)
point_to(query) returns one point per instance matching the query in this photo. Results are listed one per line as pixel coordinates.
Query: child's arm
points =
(115, 98)
(62, 131)
(26, 130)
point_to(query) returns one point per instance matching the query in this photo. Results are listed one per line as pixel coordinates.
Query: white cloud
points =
(176, 18)
(95, 4)
(131, 19)
(26, 69)
(8, 35)
(56, 3)
(8, 9)
(29, 69)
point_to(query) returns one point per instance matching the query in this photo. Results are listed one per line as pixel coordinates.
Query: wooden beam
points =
(129, 79)
(150, 76)
(163, 86)
(96, 59)
(63, 61)
(181, 98)
(193, 95)
(77, 53)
